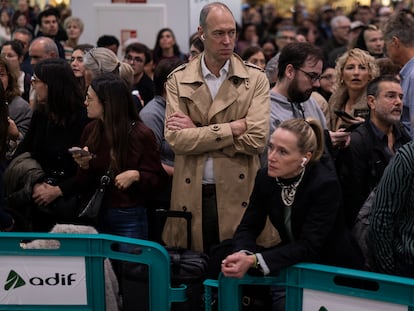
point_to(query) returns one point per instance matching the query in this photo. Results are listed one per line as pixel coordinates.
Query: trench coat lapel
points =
(201, 98)
(226, 96)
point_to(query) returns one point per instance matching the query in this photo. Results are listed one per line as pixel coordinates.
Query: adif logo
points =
(13, 281)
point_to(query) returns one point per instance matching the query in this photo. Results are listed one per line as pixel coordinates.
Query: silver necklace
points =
(289, 191)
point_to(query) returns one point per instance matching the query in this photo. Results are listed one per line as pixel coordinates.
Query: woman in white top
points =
(74, 28)
(5, 26)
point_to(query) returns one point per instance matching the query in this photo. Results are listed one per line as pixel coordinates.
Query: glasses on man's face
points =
(313, 76)
(135, 59)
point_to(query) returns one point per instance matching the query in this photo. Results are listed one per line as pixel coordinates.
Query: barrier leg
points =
(229, 294)
(208, 299)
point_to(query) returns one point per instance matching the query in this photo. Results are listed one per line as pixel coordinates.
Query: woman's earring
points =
(342, 81)
(303, 162)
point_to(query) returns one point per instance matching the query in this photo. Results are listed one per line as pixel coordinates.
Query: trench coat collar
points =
(228, 92)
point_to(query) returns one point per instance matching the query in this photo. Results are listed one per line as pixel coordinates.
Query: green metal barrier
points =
(319, 287)
(75, 268)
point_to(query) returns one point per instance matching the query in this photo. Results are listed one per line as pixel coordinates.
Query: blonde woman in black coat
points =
(302, 198)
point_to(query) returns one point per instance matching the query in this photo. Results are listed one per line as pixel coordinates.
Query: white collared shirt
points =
(213, 83)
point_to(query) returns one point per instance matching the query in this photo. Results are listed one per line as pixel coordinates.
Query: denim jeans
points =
(129, 222)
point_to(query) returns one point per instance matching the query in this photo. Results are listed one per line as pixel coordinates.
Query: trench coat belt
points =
(209, 189)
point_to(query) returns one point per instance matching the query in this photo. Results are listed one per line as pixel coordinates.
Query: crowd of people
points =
(272, 133)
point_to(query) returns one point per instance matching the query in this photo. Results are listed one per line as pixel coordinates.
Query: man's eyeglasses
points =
(135, 59)
(311, 75)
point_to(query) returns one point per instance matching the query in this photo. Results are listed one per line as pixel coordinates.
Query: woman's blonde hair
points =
(362, 56)
(73, 20)
(126, 72)
(339, 98)
(310, 135)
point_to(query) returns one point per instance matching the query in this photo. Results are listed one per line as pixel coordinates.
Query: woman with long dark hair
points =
(119, 143)
(166, 47)
(56, 125)
(18, 109)
(77, 63)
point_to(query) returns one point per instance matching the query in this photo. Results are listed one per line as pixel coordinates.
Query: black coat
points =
(49, 142)
(361, 166)
(317, 222)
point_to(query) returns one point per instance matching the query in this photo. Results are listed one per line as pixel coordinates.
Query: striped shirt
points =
(392, 216)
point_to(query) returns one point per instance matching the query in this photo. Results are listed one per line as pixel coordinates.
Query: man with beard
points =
(300, 67)
(373, 143)
(299, 70)
(49, 27)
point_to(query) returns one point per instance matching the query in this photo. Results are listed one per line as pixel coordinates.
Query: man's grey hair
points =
(401, 26)
(24, 31)
(272, 68)
(337, 19)
(286, 28)
(48, 44)
(207, 8)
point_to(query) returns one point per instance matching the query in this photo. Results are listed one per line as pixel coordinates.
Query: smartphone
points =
(343, 114)
(78, 150)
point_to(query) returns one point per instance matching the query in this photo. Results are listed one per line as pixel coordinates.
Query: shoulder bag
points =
(92, 208)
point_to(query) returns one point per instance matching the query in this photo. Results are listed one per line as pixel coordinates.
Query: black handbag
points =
(92, 208)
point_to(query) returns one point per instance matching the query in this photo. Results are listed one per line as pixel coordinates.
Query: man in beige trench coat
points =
(217, 123)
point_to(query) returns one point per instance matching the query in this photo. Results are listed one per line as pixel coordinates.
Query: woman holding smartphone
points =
(118, 142)
(354, 69)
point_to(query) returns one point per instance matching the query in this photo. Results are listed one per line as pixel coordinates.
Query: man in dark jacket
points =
(49, 27)
(373, 144)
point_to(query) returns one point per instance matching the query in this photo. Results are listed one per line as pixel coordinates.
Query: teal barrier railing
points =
(319, 287)
(71, 277)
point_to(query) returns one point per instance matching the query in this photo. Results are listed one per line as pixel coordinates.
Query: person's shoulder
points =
(146, 79)
(178, 69)
(240, 63)
(250, 65)
(361, 133)
(20, 102)
(322, 172)
(141, 128)
(263, 180)
(156, 104)
(407, 151)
